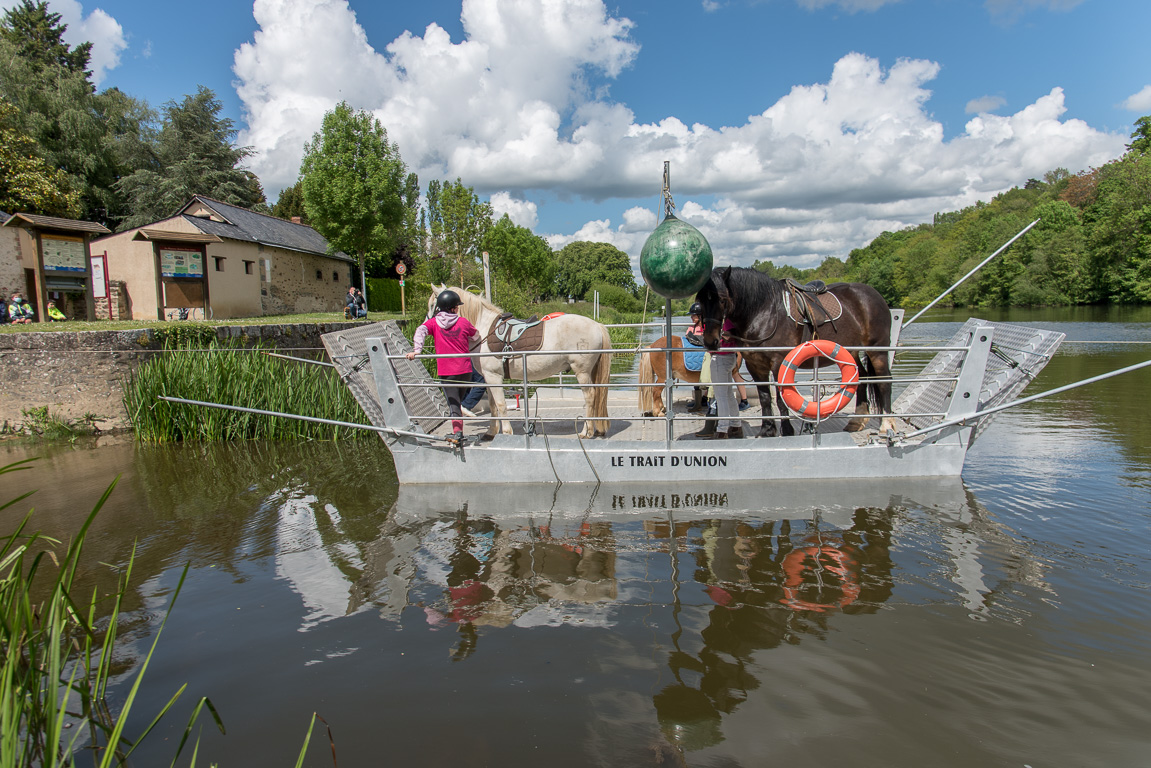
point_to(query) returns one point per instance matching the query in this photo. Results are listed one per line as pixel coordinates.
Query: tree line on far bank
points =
(1092, 244)
(68, 150)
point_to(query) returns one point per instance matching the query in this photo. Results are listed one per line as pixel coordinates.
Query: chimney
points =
(296, 220)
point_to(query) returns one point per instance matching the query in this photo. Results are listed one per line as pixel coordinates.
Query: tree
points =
(582, 263)
(521, 257)
(291, 203)
(87, 136)
(193, 155)
(459, 222)
(27, 183)
(353, 180)
(1142, 136)
(39, 38)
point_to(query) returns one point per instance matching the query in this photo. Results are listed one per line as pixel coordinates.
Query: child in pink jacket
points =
(450, 334)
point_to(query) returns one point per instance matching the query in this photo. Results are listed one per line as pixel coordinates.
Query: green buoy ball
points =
(676, 259)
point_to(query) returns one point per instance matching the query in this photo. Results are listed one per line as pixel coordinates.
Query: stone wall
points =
(76, 373)
(116, 306)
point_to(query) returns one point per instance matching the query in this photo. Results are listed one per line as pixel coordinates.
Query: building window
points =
(219, 263)
(249, 266)
(319, 275)
(335, 277)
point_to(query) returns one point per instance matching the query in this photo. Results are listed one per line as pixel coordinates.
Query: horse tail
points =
(601, 374)
(646, 378)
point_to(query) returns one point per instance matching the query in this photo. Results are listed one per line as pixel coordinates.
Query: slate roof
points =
(252, 227)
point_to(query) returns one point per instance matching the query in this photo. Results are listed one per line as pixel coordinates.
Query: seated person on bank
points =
(354, 304)
(55, 315)
(20, 311)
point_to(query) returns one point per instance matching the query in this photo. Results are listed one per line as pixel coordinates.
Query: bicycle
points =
(194, 314)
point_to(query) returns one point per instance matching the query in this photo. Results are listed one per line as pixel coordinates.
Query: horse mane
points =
(752, 290)
(471, 301)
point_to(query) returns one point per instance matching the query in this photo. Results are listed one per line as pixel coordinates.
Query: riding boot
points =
(735, 433)
(698, 403)
(708, 426)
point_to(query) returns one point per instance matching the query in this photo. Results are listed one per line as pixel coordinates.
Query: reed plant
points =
(57, 650)
(230, 375)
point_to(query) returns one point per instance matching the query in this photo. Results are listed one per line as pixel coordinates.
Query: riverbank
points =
(77, 373)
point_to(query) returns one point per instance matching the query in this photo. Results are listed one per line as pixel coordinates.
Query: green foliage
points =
(582, 263)
(1118, 227)
(353, 180)
(384, 295)
(522, 257)
(241, 377)
(1141, 136)
(27, 183)
(193, 155)
(616, 297)
(459, 223)
(41, 423)
(291, 203)
(58, 655)
(39, 38)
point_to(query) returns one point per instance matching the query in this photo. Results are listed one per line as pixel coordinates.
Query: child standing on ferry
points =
(450, 334)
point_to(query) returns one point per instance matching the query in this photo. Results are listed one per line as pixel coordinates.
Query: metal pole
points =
(1021, 401)
(668, 405)
(972, 272)
(314, 419)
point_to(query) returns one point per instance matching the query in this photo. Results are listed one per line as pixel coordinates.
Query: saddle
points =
(510, 335)
(810, 304)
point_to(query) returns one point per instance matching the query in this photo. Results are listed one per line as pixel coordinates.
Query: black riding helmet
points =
(696, 309)
(447, 301)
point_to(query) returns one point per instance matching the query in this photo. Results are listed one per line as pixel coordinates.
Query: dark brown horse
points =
(754, 303)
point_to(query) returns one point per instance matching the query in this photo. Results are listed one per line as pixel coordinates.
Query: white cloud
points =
(100, 29)
(518, 106)
(523, 213)
(985, 104)
(1139, 102)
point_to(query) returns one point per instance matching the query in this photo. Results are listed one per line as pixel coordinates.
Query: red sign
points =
(401, 268)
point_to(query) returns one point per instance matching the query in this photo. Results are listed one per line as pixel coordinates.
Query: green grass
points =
(220, 373)
(128, 325)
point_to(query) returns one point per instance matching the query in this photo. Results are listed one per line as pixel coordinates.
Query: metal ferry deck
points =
(978, 372)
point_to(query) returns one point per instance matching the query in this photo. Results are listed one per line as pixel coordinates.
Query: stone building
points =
(223, 261)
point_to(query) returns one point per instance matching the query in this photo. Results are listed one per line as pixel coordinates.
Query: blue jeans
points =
(475, 394)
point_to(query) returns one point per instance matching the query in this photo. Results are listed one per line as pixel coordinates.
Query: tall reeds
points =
(229, 375)
(57, 652)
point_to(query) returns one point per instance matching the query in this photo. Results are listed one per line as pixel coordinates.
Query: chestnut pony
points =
(754, 303)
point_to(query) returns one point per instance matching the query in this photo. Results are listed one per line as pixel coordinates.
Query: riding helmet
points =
(696, 309)
(447, 301)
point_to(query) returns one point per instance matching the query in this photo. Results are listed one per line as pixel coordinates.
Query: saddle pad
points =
(831, 308)
(530, 340)
(692, 356)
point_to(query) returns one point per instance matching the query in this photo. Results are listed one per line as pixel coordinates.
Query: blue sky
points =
(797, 129)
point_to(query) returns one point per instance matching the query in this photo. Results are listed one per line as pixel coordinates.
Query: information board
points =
(181, 263)
(63, 254)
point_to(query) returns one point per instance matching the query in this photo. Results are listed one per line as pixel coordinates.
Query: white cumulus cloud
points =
(100, 29)
(1139, 102)
(523, 213)
(518, 106)
(985, 104)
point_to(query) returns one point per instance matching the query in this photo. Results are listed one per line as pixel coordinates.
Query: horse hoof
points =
(486, 438)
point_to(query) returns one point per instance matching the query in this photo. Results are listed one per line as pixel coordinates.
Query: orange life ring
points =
(848, 374)
(820, 558)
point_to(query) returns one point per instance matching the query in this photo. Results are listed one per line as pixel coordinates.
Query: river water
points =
(998, 620)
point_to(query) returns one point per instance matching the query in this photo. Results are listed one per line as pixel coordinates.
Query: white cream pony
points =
(570, 333)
